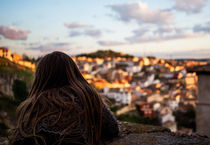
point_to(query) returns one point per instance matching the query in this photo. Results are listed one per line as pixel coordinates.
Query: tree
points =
(186, 118)
(20, 91)
(27, 58)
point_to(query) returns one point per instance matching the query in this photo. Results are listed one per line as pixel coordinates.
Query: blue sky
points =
(164, 28)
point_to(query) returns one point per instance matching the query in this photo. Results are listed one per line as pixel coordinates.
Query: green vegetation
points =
(12, 68)
(138, 119)
(8, 105)
(20, 87)
(132, 116)
(20, 91)
(3, 129)
(151, 57)
(186, 119)
(105, 54)
(112, 104)
(114, 108)
(111, 100)
(27, 58)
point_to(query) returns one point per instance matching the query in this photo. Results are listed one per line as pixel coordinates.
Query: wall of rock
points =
(138, 134)
(6, 81)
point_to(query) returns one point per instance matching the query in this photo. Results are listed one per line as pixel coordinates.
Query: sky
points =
(163, 28)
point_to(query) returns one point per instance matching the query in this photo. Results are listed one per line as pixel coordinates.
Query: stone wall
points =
(203, 105)
(6, 81)
(138, 134)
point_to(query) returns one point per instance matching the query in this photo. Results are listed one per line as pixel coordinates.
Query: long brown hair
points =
(58, 74)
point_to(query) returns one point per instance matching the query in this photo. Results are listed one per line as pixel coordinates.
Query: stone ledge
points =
(138, 134)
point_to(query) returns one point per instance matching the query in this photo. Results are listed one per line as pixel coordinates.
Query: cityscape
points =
(144, 90)
(149, 62)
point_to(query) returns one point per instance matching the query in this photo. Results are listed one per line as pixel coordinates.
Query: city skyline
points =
(167, 28)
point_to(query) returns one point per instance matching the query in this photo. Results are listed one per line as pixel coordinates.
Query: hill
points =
(105, 54)
(10, 72)
(10, 68)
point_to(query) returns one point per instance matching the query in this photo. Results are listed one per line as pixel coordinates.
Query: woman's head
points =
(55, 70)
(57, 75)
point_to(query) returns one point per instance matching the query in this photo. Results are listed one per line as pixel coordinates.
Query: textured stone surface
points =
(138, 134)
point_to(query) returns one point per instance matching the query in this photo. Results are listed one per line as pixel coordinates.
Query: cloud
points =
(202, 28)
(95, 33)
(110, 43)
(30, 44)
(52, 47)
(146, 34)
(87, 30)
(159, 38)
(74, 25)
(179, 36)
(139, 12)
(46, 38)
(75, 33)
(189, 54)
(167, 29)
(141, 31)
(159, 34)
(13, 33)
(201, 53)
(189, 6)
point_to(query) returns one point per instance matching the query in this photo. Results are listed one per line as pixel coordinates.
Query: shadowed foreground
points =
(138, 134)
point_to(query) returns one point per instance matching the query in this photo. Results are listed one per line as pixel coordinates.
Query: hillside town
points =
(146, 87)
(153, 87)
(16, 58)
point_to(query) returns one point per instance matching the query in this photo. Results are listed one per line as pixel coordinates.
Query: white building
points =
(121, 96)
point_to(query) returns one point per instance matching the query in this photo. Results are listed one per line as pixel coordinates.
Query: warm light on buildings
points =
(15, 57)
